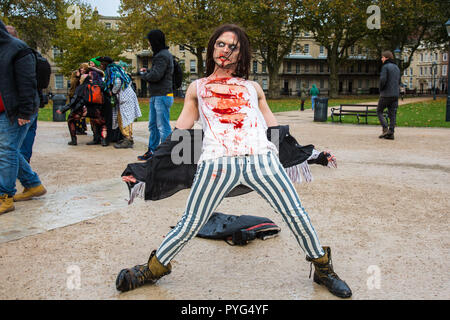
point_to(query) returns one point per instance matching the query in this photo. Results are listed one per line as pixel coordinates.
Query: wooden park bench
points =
(358, 110)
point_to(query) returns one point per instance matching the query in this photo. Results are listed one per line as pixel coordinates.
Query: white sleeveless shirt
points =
(231, 120)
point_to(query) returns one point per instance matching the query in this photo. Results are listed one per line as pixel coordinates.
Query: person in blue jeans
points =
(160, 82)
(314, 92)
(19, 104)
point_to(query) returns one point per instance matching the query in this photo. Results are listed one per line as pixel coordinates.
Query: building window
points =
(255, 66)
(193, 66)
(367, 83)
(306, 68)
(444, 57)
(352, 50)
(59, 81)
(411, 71)
(320, 67)
(405, 72)
(322, 50)
(289, 67)
(411, 83)
(359, 67)
(322, 83)
(264, 84)
(421, 57)
(298, 84)
(264, 67)
(360, 83)
(421, 71)
(444, 70)
(367, 68)
(297, 68)
(306, 34)
(108, 25)
(298, 48)
(181, 47)
(306, 49)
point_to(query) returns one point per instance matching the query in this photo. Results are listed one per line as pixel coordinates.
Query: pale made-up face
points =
(226, 50)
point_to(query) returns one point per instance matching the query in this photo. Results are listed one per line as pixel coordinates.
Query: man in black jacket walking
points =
(19, 104)
(161, 91)
(389, 91)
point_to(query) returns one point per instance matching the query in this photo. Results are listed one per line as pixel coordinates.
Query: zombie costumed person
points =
(235, 116)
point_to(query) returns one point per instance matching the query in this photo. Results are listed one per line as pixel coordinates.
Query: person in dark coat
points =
(19, 105)
(160, 82)
(389, 91)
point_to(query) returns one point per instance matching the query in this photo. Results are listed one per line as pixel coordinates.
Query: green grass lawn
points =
(421, 114)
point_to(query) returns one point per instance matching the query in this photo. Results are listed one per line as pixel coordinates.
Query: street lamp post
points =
(433, 69)
(447, 115)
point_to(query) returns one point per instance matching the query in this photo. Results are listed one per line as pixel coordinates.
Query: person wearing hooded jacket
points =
(19, 105)
(390, 79)
(159, 77)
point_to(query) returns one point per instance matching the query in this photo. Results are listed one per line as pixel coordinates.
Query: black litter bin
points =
(59, 100)
(321, 109)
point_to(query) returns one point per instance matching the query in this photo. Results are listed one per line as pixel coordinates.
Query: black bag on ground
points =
(238, 230)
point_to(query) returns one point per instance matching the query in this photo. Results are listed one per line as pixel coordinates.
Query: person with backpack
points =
(160, 78)
(43, 72)
(87, 101)
(19, 105)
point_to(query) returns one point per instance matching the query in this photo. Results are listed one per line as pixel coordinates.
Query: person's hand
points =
(129, 179)
(58, 111)
(22, 122)
(143, 70)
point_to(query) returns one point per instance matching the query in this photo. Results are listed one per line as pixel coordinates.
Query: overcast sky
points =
(105, 7)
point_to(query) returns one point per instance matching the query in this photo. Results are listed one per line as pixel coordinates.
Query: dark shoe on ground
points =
(385, 131)
(129, 279)
(94, 142)
(125, 143)
(6, 204)
(29, 193)
(325, 275)
(145, 156)
(105, 142)
(389, 135)
(73, 142)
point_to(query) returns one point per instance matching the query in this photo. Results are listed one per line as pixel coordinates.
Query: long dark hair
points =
(243, 59)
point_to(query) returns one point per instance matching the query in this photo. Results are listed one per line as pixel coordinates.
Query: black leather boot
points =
(73, 142)
(325, 275)
(129, 279)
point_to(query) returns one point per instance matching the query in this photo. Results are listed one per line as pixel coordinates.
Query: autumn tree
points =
(337, 25)
(184, 22)
(91, 39)
(35, 20)
(272, 27)
(408, 24)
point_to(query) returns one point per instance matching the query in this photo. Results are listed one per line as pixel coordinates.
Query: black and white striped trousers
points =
(215, 178)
